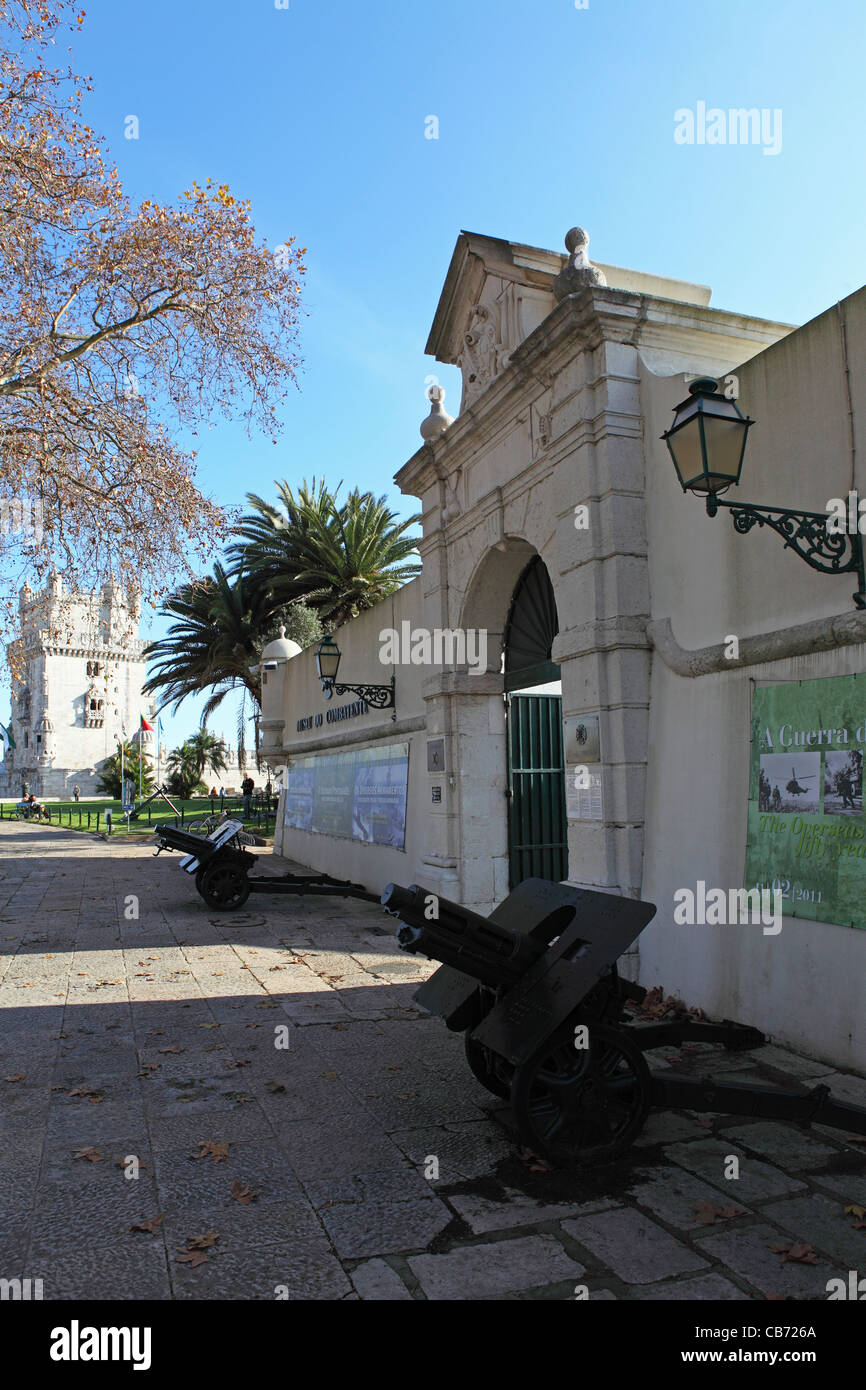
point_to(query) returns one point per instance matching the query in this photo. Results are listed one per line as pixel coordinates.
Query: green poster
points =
(807, 836)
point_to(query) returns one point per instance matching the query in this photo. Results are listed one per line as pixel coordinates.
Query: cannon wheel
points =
(582, 1105)
(224, 887)
(482, 1064)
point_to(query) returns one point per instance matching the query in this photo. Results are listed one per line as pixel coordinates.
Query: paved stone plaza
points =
(154, 1038)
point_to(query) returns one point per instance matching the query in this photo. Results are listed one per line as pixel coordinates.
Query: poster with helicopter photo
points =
(807, 837)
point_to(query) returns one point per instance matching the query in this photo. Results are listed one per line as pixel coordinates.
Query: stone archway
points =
(473, 711)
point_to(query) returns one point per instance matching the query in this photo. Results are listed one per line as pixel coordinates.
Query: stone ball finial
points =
(438, 421)
(578, 271)
(576, 240)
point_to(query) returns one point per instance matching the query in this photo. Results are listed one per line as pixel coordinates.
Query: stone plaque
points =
(581, 738)
(435, 755)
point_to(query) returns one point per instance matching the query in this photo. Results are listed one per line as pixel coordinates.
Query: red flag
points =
(145, 727)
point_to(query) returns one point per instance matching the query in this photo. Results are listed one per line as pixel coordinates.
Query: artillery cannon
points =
(535, 989)
(221, 863)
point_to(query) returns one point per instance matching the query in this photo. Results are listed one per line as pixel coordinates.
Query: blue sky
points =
(548, 115)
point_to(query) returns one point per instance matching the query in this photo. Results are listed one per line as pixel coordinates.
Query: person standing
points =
(76, 792)
(247, 789)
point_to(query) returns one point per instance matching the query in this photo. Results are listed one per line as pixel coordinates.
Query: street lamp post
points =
(707, 442)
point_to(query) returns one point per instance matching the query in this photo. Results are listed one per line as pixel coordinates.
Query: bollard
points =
(88, 820)
(98, 814)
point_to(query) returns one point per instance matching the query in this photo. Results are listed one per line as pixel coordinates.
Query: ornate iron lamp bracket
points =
(376, 696)
(827, 551)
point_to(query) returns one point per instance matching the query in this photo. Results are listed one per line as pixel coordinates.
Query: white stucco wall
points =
(806, 985)
(293, 692)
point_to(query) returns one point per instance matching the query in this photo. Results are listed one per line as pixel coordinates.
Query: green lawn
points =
(75, 814)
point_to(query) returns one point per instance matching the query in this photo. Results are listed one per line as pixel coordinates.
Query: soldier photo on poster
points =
(806, 836)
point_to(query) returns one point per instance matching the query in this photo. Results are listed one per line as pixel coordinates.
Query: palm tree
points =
(338, 559)
(109, 771)
(208, 751)
(184, 776)
(222, 624)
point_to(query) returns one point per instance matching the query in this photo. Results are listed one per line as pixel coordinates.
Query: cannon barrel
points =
(456, 936)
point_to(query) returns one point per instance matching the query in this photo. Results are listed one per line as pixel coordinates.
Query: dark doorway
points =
(537, 825)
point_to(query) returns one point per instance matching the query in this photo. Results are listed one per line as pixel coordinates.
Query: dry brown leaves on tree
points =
(118, 327)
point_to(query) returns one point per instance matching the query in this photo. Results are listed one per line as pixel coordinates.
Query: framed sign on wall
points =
(806, 833)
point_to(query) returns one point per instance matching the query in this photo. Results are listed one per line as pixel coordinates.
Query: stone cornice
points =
(463, 683)
(820, 635)
(343, 738)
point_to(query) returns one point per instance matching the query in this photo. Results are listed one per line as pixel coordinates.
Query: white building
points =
(77, 686)
(77, 678)
(553, 522)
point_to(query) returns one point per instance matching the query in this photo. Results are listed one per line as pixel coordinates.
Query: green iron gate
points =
(537, 825)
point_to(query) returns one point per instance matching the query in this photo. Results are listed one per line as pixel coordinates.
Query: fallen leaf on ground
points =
(192, 1258)
(274, 1086)
(209, 1149)
(707, 1214)
(800, 1254)
(859, 1214)
(534, 1162)
(174, 1048)
(242, 1193)
(20, 1076)
(93, 1155)
(202, 1242)
(151, 1227)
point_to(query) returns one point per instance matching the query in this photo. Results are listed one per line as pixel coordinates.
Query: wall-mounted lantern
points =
(328, 656)
(707, 442)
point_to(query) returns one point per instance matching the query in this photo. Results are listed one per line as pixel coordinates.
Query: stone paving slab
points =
(371, 1164)
(637, 1250)
(489, 1271)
